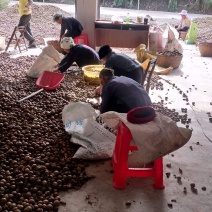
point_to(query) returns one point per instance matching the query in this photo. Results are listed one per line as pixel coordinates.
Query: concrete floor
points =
(195, 76)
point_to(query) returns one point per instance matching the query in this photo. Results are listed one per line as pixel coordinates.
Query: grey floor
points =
(195, 76)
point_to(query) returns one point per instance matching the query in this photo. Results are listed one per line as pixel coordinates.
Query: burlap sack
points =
(154, 139)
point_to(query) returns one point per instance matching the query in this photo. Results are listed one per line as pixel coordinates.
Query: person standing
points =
(81, 54)
(70, 27)
(25, 11)
(121, 94)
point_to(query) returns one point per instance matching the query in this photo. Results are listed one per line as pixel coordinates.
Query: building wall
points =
(87, 11)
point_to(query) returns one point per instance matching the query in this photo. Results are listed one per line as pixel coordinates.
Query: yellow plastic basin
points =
(91, 73)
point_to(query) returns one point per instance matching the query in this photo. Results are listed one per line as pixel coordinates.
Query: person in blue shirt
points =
(81, 54)
(121, 94)
(122, 64)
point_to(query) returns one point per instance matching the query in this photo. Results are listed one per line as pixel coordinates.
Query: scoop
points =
(46, 81)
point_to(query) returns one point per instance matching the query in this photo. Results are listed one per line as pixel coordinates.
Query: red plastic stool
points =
(120, 162)
(82, 39)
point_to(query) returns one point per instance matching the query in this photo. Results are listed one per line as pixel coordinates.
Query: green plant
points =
(3, 4)
(208, 4)
(203, 5)
(172, 5)
(123, 3)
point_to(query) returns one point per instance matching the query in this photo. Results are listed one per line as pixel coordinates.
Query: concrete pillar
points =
(87, 12)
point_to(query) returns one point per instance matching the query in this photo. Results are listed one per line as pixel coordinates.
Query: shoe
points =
(32, 42)
(33, 46)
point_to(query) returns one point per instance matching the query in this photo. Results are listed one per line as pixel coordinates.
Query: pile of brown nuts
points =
(170, 53)
(42, 24)
(35, 151)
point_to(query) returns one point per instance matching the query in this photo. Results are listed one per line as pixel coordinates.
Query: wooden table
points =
(121, 35)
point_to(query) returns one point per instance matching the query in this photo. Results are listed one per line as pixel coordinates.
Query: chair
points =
(82, 39)
(182, 35)
(17, 38)
(120, 162)
(148, 74)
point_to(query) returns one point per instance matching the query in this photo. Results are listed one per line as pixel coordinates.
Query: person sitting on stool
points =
(185, 22)
(121, 94)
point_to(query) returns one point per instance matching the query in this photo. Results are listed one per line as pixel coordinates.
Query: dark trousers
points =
(182, 29)
(25, 21)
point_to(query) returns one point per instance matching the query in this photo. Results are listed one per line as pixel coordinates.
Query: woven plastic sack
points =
(172, 43)
(46, 61)
(191, 36)
(154, 139)
(156, 40)
(149, 55)
(145, 64)
(96, 142)
(139, 50)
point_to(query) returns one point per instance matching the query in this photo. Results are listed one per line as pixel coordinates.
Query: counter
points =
(121, 35)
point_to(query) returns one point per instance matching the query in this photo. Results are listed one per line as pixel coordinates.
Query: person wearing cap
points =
(81, 54)
(25, 12)
(185, 22)
(70, 27)
(121, 94)
(122, 64)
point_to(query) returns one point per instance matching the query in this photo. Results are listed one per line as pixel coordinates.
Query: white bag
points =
(154, 139)
(53, 53)
(96, 142)
(172, 43)
(46, 61)
(156, 40)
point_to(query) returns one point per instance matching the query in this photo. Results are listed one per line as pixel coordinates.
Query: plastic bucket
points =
(91, 73)
(2, 43)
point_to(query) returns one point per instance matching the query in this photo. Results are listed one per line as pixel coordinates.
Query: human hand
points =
(98, 90)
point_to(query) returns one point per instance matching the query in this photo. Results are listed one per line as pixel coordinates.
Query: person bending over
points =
(122, 64)
(70, 27)
(121, 94)
(81, 54)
